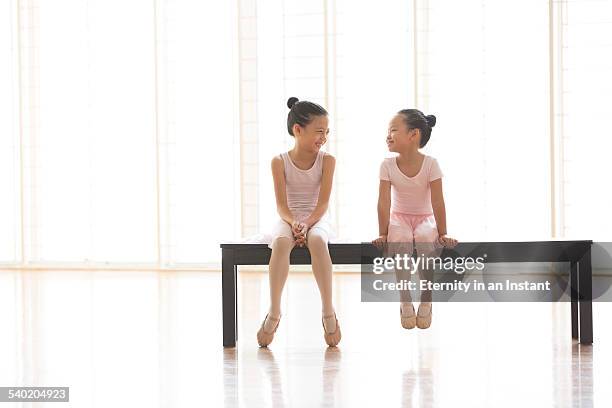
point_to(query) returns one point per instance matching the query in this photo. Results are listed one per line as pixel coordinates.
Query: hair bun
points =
(431, 120)
(292, 101)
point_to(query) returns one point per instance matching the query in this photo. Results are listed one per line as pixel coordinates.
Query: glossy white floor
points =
(153, 339)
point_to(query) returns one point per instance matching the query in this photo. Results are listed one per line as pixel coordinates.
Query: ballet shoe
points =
(423, 321)
(332, 339)
(408, 322)
(263, 337)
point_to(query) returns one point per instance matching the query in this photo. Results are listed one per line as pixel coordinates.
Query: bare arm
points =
(329, 165)
(280, 191)
(384, 206)
(437, 203)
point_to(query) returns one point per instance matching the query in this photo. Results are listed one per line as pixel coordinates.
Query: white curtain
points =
(119, 143)
(482, 68)
(584, 117)
(142, 132)
(10, 237)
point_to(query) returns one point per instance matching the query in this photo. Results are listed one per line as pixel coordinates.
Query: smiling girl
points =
(411, 210)
(302, 184)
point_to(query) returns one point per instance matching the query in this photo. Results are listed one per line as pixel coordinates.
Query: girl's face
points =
(399, 136)
(312, 136)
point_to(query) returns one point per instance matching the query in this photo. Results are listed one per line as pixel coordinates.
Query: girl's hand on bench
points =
(447, 241)
(380, 241)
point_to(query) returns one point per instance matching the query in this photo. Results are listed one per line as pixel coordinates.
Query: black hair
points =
(302, 112)
(415, 119)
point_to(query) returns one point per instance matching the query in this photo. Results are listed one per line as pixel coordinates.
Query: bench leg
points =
(585, 288)
(574, 296)
(229, 288)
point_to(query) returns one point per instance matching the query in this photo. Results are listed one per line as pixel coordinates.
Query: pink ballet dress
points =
(302, 187)
(412, 220)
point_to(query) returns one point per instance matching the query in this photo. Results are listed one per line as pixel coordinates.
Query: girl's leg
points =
(322, 270)
(400, 242)
(407, 313)
(426, 237)
(279, 270)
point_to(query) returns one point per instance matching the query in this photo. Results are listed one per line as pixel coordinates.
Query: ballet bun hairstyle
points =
(415, 119)
(302, 113)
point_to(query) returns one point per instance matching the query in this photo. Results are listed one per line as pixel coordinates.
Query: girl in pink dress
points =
(302, 184)
(411, 209)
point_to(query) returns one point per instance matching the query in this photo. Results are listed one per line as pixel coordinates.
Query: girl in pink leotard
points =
(411, 209)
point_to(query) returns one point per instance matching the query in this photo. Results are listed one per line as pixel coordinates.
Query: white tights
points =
(321, 268)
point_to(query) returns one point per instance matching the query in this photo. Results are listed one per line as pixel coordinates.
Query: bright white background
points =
(141, 132)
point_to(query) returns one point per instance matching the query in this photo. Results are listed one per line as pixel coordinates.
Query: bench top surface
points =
(552, 243)
(354, 253)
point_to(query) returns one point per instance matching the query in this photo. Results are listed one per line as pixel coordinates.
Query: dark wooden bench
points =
(578, 253)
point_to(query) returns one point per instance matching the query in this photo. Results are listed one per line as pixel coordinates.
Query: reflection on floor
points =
(153, 339)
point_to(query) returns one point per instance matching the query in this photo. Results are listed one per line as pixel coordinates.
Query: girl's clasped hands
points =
(300, 231)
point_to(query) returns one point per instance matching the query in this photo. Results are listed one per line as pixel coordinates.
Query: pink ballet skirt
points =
(418, 229)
